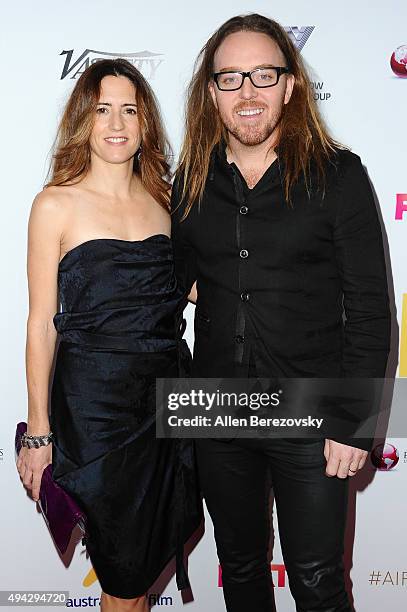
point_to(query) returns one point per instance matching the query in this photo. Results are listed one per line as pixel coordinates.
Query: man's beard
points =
(252, 135)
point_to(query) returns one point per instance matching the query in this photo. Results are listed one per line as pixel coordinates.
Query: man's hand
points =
(343, 460)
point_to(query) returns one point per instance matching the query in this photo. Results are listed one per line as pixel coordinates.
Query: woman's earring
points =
(139, 153)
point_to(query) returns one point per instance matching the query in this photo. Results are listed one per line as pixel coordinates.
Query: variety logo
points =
(146, 62)
(384, 457)
(398, 61)
(299, 34)
(401, 205)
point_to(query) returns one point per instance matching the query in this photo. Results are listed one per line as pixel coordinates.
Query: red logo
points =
(384, 457)
(398, 61)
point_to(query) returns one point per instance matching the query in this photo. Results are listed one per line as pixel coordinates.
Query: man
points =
(277, 225)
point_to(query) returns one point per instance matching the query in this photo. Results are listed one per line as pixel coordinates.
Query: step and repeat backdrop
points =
(357, 56)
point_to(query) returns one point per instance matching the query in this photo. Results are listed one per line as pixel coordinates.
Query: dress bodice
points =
(120, 294)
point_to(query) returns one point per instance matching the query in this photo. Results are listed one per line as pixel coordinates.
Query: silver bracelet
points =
(36, 441)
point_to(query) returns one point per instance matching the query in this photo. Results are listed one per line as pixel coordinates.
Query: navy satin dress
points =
(119, 328)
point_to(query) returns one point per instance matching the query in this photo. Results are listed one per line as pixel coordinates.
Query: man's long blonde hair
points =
(302, 137)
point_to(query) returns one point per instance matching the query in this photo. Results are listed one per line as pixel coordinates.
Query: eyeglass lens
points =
(262, 77)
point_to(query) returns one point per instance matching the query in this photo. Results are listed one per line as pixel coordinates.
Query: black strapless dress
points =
(119, 326)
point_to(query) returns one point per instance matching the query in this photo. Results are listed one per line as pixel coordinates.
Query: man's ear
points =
(289, 88)
(211, 87)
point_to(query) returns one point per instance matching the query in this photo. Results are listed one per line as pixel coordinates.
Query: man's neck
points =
(252, 161)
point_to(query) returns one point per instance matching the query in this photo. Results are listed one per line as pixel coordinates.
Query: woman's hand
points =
(31, 463)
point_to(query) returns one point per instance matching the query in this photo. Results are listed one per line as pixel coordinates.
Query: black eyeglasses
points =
(259, 77)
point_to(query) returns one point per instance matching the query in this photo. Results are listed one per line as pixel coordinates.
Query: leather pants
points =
(311, 512)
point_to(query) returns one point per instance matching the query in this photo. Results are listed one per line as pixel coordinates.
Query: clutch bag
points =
(60, 511)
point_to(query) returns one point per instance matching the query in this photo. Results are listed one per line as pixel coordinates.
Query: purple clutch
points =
(60, 511)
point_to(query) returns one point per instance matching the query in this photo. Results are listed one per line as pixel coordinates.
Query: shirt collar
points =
(219, 155)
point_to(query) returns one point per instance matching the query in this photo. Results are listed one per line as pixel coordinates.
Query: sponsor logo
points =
(388, 578)
(384, 457)
(90, 578)
(398, 61)
(154, 599)
(83, 602)
(1, 454)
(319, 92)
(146, 62)
(401, 205)
(299, 34)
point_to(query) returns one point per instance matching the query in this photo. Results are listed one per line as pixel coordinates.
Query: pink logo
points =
(398, 61)
(401, 205)
(278, 568)
(385, 456)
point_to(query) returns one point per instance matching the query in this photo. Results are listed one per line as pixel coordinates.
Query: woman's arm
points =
(44, 237)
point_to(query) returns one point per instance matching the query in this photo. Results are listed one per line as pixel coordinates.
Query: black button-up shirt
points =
(301, 289)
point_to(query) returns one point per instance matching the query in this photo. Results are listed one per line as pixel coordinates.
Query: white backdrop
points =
(364, 103)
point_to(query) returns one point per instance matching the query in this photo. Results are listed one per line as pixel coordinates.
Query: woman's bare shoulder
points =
(52, 202)
(54, 196)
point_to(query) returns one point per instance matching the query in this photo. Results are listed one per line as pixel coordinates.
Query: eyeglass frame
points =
(280, 70)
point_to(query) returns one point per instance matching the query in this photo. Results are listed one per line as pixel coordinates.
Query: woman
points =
(99, 246)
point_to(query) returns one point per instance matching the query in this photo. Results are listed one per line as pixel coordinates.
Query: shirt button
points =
(239, 339)
(243, 210)
(245, 296)
(243, 253)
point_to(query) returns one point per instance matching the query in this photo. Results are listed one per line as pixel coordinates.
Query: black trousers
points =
(311, 512)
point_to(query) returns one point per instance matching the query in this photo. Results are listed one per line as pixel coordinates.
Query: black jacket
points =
(301, 288)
